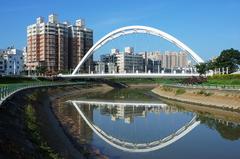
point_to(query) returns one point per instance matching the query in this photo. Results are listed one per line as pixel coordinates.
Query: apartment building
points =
(11, 61)
(128, 62)
(80, 41)
(55, 45)
(169, 60)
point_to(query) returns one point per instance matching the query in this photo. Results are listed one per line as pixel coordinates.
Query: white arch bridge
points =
(134, 30)
(135, 147)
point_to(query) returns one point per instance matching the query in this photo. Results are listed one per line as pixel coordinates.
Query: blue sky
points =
(207, 26)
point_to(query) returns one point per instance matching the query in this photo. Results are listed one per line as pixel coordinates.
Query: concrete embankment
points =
(42, 136)
(224, 99)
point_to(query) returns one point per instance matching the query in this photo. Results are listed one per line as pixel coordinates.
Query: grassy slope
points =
(35, 134)
(224, 79)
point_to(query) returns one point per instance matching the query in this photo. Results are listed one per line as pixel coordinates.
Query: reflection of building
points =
(75, 124)
(11, 61)
(84, 131)
(129, 112)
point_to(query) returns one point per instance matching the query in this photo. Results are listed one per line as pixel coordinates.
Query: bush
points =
(202, 92)
(180, 91)
(195, 80)
(167, 89)
(225, 77)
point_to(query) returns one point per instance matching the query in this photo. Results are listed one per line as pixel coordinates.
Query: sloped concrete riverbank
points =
(37, 133)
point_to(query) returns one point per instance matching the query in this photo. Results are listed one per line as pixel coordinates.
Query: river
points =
(133, 123)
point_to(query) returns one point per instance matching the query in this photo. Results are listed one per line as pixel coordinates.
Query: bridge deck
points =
(131, 75)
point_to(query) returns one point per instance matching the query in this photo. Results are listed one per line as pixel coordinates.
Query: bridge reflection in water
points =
(130, 146)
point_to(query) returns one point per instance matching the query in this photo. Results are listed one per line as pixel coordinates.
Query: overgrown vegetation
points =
(180, 91)
(21, 79)
(229, 58)
(33, 129)
(223, 80)
(195, 80)
(202, 92)
(147, 80)
(167, 88)
(227, 79)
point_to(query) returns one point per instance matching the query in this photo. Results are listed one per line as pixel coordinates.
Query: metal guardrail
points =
(7, 90)
(207, 86)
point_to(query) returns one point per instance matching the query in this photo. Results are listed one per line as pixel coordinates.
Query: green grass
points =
(17, 79)
(180, 91)
(147, 80)
(224, 79)
(33, 129)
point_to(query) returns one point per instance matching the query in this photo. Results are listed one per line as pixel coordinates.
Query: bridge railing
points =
(8, 89)
(209, 86)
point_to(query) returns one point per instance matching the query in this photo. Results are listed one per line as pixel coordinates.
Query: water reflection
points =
(145, 123)
(128, 111)
(227, 129)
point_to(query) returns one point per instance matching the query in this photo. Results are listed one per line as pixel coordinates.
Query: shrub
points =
(195, 80)
(167, 89)
(180, 91)
(225, 77)
(202, 92)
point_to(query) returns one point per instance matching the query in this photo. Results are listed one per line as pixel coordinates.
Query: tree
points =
(41, 69)
(229, 58)
(202, 68)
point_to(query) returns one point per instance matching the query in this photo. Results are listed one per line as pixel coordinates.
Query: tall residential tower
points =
(55, 45)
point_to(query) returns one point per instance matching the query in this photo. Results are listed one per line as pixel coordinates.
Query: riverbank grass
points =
(228, 79)
(34, 132)
(180, 91)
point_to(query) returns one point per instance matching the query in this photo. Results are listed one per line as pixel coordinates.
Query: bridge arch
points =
(137, 29)
(140, 147)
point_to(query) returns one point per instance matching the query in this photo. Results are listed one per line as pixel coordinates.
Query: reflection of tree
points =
(126, 94)
(226, 129)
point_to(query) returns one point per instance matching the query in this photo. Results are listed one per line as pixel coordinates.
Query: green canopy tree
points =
(202, 68)
(229, 58)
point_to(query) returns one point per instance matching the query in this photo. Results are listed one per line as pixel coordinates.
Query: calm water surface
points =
(130, 124)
